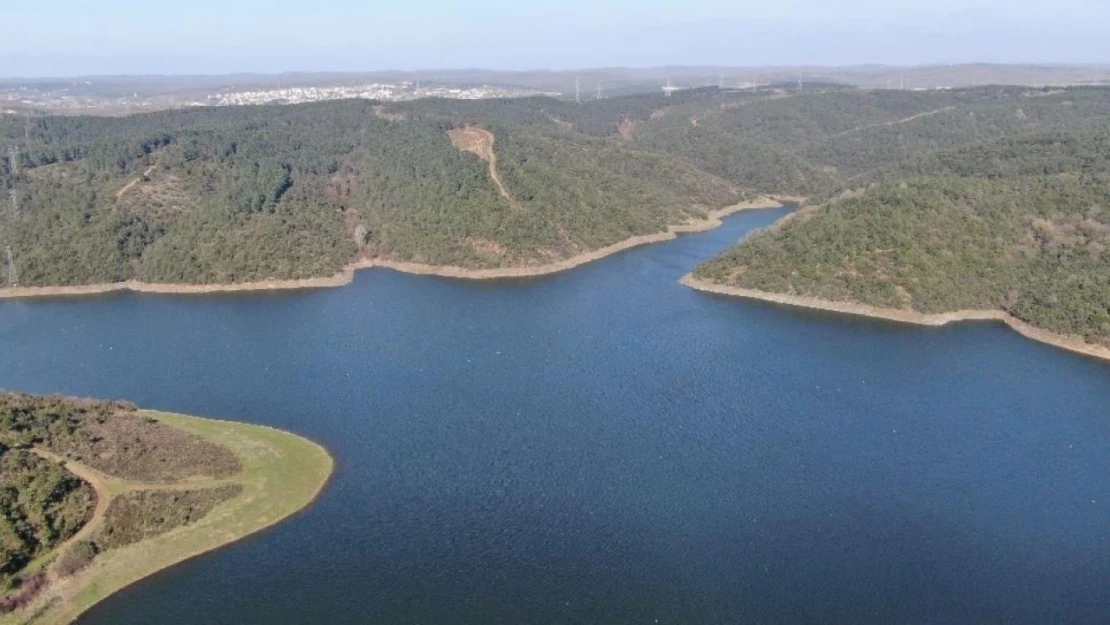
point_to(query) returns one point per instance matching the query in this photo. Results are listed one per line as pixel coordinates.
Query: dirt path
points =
(480, 142)
(894, 122)
(99, 483)
(108, 488)
(130, 185)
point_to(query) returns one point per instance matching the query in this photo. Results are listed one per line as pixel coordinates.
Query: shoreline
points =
(1070, 343)
(712, 220)
(347, 274)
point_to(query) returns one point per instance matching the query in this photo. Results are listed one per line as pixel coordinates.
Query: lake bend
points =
(606, 445)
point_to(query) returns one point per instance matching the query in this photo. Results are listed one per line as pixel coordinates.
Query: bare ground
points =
(480, 142)
(131, 185)
(895, 122)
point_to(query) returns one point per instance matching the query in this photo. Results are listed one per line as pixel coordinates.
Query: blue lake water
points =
(608, 446)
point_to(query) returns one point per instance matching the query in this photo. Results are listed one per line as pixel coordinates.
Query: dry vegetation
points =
(111, 437)
(143, 514)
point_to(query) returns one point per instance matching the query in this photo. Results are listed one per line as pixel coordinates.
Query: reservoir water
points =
(608, 446)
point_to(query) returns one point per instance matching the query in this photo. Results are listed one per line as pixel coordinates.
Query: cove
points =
(608, 446)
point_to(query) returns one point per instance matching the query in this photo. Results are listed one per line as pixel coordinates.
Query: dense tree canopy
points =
(237, 194)
(1019, 224)
(247, 193)
(41, 505)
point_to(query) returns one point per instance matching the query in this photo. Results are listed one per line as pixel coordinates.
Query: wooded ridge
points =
(987, 196)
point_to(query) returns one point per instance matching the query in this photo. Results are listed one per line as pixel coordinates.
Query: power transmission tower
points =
(13, 160)
(721, 81)
(578, 89)
(13, 279)
(13, 195)
(598, 91)
(670, 88)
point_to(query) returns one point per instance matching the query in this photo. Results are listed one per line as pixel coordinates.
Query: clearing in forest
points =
(480, 142)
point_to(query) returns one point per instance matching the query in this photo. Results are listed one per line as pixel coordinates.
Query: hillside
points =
(1020, 225)
(241, 194)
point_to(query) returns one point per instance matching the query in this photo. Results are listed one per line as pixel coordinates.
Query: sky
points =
(100, 37)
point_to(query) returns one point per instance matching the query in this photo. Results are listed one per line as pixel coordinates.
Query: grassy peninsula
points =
(108, 494)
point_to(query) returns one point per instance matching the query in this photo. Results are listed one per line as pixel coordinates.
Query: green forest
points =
(987, 196)
(41, 505)
(238, 194)
(1016, 224)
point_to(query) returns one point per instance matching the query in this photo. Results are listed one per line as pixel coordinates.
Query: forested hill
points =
(1020, 224)
(240, 194)
(237, 194)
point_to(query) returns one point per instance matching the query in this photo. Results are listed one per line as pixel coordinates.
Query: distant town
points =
(375, 91)
(82, 97)
(122, 95)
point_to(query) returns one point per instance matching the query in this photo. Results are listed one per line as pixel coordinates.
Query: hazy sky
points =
(76, 37)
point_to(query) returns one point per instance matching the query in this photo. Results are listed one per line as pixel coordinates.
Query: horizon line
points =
(610, 68)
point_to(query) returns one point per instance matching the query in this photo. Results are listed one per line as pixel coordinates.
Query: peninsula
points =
(1016, 230)
(98, 495)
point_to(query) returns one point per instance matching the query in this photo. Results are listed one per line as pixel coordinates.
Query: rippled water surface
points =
(608, 446)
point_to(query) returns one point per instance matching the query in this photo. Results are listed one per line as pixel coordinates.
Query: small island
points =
(96, 495)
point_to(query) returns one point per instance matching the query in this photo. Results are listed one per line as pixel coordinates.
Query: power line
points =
(13, 166)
